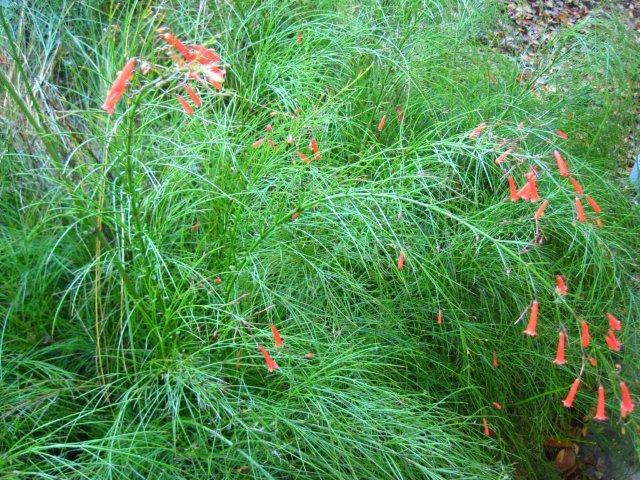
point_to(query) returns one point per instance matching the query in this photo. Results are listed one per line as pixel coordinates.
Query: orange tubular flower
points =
(118, 87)
(513, 192)
(540, 211)
(179, 46)
(614, 323)
(382, 121)
(277, 339)
(593, 361)
(563, 135)
(626, 406)
(204, 55)
(486, 430)
(525, 192)
(560, 360)
(594, 205)
(561, 286)
(612, 341)
(533, 187)
(271, 364)
(498, 405)
(187, 108)
(562, 165)
(503, 156)
(303, 157)
(576, 186)
(313, 146)
(400, 262)
(257, 143)
(494, 360)
(580, 211)
(193, 95)
(585, 339)
(600, 414)
(475, 133)
(533, 320)
(568, 401)
(439, 317)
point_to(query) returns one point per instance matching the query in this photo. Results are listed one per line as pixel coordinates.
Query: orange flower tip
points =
(295, 216)
(585, 339)
(561, 287)
(612, 342)
(533, 320)
(217, 280)
(277, 339)
(614, 323)
(513, 191)
(193, 95)
(600, 409)
(540, 211)
(486, 430)
(309, 355)
(257, 143)
(382, 121)
(568, 401)
(187, 108)
(560, 360)
(440, 318)
(563, 135)
(497, 405)
(475, 133)
(271, 364)
(593, 362)
(401, 259)
(593, 204)
(303, 157)
(580, 211)
(626, 405)
(576, 186)
(560, 162)
(503, 157)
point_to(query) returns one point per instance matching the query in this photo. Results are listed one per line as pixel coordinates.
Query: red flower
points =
(513, 193)
(313, 146)
(498, 405)
(614, 323)
(277, 339)
(439, 321)
(486, 429)
(217, 280)
(475, 133)
(593, 361)
(382, 121)
(562, 165)
(295, 216)
(533, 320)
(626, 406)
(525, 192)
(204, 55)
(494, 360)
(257, 143)
(268, 128)
(179, 46)
(576, 186)
(271, 364)
(600, 414)
(612, 341)
(560, 360)
(303, 157)
(400, 261)
(568, 401)
(594, 205)
(193, 95)
(503, 156)
(580, 211)
(561, 287)
(540, 211)
(533, 187)
(584, 334)
(118, 87)
(399, 113)
(562, 134)
(187, 108)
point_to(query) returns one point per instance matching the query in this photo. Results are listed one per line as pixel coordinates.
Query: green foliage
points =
(121, 357)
